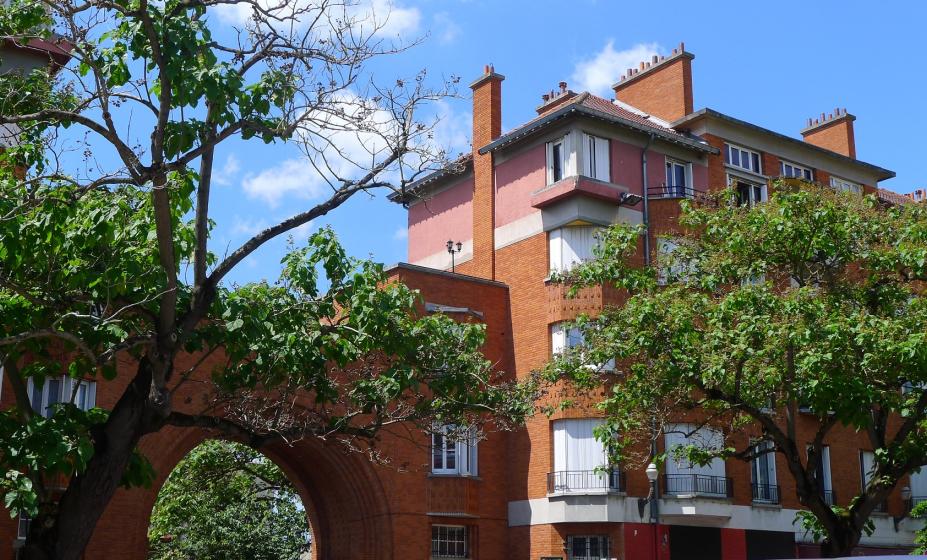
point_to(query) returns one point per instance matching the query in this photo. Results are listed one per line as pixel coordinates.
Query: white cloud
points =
(401, 233)
(384, 18)
(289, 177)
(598, 73)
(248, 226)
(229, 170)
(453, 129)
(301, 233)
(446, 29)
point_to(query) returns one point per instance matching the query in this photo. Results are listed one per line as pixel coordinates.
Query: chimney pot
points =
(563, 87)
(682, 47)
(642, 65)
(545, 98)
(648, 65)
(486, 69)
(662, 58)
(655, 59)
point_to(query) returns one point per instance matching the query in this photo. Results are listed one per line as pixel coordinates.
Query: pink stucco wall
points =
(446, 215)
(626, 166)
(516, 179)
(700, 176)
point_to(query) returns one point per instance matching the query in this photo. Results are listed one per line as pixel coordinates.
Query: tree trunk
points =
(65, 535)
(841, 542)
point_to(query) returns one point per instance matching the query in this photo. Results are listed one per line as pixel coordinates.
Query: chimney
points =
(661, 86)
(487, 126)
(833, 132)
(555, 98)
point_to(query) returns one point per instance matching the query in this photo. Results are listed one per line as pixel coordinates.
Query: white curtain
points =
(575, 445)
(571, 245)
(866, 466)
(704, 437)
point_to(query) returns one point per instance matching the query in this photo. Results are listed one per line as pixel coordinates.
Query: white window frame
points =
(827, 485)
(595, 150)
(803, 172)
(734, 181)
(562, 339)
(604, 547)
(464, 451)
(729, 152)
(65, 387)
(843, 185)
(437, 540)
(763, 470)
(669, 187)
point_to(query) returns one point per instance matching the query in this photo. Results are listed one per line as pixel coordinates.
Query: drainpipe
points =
(646, 206)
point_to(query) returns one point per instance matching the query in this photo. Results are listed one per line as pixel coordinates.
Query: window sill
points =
(453, 475)
(765, 505)
(591, 492)
(745, 173)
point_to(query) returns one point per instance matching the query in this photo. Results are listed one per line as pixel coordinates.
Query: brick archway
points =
(347, 506)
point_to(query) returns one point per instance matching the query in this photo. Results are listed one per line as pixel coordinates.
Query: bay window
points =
(686, 478)
(595, 158)
(453, 451)
(571, 245)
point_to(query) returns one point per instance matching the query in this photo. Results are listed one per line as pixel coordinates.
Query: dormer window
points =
(595, 158)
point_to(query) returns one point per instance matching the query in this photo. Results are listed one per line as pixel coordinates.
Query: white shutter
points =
(602, 168)
(705, 437)
(672, 439)
(572, 240)
(866, 466)
(569, 156)
(556, 251)
(557, 339)
(825, 464)
(588, 154)
(560, 446)
(550, 163)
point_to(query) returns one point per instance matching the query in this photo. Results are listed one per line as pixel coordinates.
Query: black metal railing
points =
(674, 191)
(913, 501)
(699, 485)
(766, 493)
(582, 481)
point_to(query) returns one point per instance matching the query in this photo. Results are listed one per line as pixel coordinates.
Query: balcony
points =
(698, 485)
(765, 493)
(674, 191)
(585, 482)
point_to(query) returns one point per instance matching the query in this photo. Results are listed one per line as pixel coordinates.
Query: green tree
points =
(102, 260)
(811, 301)
(225, 501)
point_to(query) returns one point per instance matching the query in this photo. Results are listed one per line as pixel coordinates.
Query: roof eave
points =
(882, 173)
(511, 137)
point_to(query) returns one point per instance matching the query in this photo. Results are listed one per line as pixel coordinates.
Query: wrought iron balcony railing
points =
(674, 191)
(585, 481)
(766, 493)
(698, 485)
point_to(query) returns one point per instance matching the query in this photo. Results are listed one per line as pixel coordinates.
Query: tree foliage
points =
(225, 501)
(787, 322)
(109, 257)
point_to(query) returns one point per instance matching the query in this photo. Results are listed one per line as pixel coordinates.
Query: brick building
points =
(524, 203)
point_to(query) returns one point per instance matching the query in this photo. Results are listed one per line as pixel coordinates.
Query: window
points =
(743, 158)
(571, 245)
(22, 529)
(763, 469)
(592, 547)
(57, 390)
(453, 456)
(579, 458)
(557, 159)
(796, 171)
(562, 339)
(825, 483)
(671, 268)
(750, 194)
(595, 158)
(686, 478)
(919, 486)
(449, 541)
(843, 185)
(677, 178)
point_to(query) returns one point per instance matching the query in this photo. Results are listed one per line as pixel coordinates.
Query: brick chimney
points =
(661, 86)
(487, 126)
(555, 98)
(832, 132)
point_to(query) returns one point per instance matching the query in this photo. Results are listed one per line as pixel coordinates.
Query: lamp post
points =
(450, 249)
(652, 475)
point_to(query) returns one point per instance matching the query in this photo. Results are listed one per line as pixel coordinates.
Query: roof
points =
(892, 197)
(702, 113)
(597, 107)
(456, 167)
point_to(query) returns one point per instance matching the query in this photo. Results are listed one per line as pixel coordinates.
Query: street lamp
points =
(450, 249)
(653, 474)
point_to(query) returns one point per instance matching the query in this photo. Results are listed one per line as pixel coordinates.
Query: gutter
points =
(646, 198)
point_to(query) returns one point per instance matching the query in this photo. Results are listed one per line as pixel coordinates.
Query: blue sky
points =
(773, 65)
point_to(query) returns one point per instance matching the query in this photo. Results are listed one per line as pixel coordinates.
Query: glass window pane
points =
(450, 456)
(756, 163)
(558, 161)
(735, 157)
(53, 390)
(437, 451)
(680, 176)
